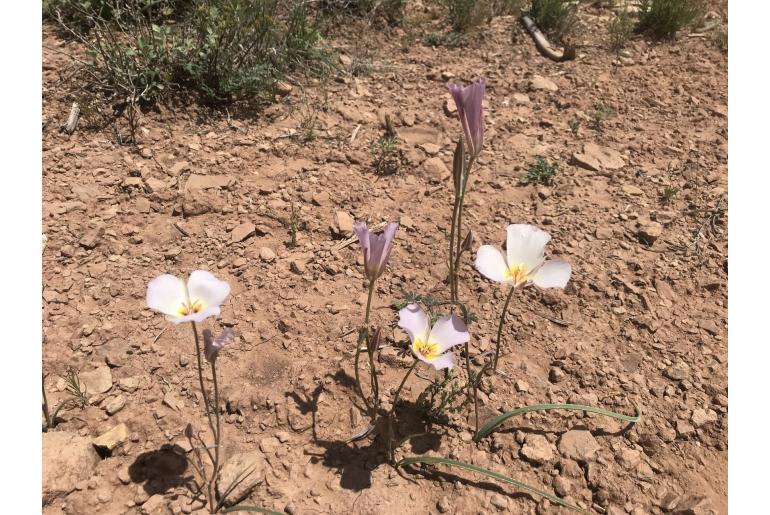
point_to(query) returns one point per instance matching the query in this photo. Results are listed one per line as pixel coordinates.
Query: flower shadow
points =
(308, 405)
(161, 470)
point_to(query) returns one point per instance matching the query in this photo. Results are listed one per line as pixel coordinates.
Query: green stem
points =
(205, 403)
(500, 327)
(452, 275)
(390, 449)
(362, 335)
(492, 424)
(471, 387)
(200, 376)
(400, 386)
(48, 421)
(459, 232)
(218, 435)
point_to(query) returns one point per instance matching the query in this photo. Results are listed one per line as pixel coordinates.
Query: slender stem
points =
(375, 384)
(389, 438)
(400, 386)
(471, 383)
(205, 403)
(48, 421)
(459, 232)
(500, 327)
(475, 386)
(200, 377)
(455, 207)
(362, 338)
(218, 436)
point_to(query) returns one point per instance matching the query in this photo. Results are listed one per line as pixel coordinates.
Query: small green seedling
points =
(541, 172)
(599, 114)
(669, 192)
(574, 126)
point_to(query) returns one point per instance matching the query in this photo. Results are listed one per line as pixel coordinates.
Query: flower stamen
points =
(190, 308)
(429, 350)
(517, 274)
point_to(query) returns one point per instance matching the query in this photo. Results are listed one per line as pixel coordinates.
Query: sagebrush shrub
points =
(620, 29)
(391, 11)
(554, 17)
(664, 18)
(465, 14)
(220, 49)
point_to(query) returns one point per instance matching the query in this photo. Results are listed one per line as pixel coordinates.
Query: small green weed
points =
(669, 192)
(574, 126)
(540, 173)
(599, 114)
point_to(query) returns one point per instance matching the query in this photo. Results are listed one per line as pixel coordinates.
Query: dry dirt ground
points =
(645, 310)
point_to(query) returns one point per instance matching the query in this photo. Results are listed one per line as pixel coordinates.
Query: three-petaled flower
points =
(193, 301)
(523, 263)
(430, 344)
(376, 247)
(470, 108)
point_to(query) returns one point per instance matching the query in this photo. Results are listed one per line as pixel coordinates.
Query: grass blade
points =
(246, 507)
(500, 477)
(492, 424)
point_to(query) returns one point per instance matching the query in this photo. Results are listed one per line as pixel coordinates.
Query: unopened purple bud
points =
(376, 247)
(470, 108)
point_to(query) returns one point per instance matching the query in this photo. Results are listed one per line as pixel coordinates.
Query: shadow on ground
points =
(161, 470)
(356, 459)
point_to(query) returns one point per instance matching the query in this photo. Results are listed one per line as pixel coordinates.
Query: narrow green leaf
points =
(492, 424)
(459, 464)
(255, 509)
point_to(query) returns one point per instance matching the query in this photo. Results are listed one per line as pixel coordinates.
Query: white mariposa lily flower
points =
(523, 263)
(430, 345)
(193, 301)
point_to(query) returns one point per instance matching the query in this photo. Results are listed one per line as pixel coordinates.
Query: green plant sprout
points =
(541, 172)
(78, 398)
(599, 114)
(669, 192)
(385, 152)
(574, 126)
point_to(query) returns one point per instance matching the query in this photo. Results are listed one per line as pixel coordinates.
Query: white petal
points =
(449, 331)
(446, 360)
(553, 274)
(166, 294)
(525, 245)
(414, 321)
(490, 262)
(207, 289)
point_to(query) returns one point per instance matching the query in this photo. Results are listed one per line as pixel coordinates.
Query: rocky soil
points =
(642, 322)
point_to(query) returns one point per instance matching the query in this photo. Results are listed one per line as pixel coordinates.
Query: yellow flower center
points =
(516, 273)
(193, 307)
(429, 350)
